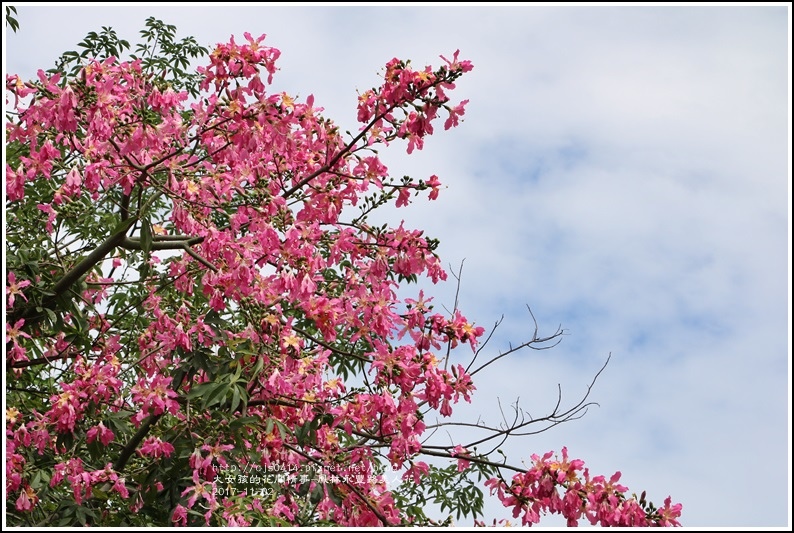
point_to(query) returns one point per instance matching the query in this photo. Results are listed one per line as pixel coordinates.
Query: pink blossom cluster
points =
(83, 481)
(376, 107)
(556, 486)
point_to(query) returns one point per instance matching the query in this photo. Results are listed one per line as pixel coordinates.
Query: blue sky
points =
(624, 171)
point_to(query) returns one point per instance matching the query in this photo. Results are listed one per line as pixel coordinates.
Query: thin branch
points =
(328, 346)
(454, 307)
(484, 343)
(448, 455)
(371, 507)
(519, 423)
(335, 159)
(529, 344)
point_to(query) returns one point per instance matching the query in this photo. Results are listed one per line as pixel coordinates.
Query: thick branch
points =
(136, 439)
(78, 271)
(170, 242)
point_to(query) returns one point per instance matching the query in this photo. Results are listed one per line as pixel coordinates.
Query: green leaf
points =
(235, 399)
(282, 429)
(51, 315)
(334, 494)
(245, 421)
(260, 363)
(123, 226)
(35, 483)
(237, 371)
(217, 395)
(200, 390)
(213, 318)
(317, 494)
(146, 236)
(303, 488)
(302, 434)
(81, 516)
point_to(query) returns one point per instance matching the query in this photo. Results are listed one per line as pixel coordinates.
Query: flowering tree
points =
(203, 328)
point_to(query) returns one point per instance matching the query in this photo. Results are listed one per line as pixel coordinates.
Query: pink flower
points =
(454, 114)
(537, 491)
(105, 434)
(404, 197)
(51, 214)
(434, 184)
(201, 490)
(461, 452)
(27, 499)
(20, 89)
(670, 513)
(156, 397)
(13, 289)
(418, 470)
(120, 486)
(280, 509)
(74, 182)
(455, 65)
(67, 408)
(154, 447)
(179, 518)
(15, 183)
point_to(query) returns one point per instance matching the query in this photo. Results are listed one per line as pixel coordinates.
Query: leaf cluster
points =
(165, 57)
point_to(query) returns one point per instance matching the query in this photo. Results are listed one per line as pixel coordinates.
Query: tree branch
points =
(78, 271)
(136, 439)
